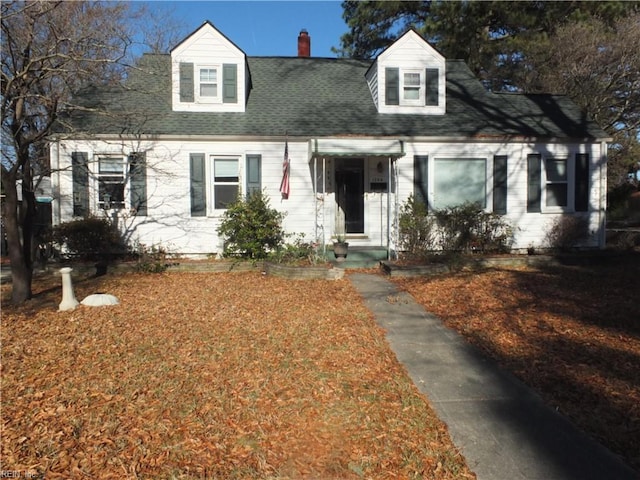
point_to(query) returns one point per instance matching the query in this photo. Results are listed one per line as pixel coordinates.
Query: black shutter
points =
(230, 83)
(420, 176)
(186, 82)
(138, 182)
(392, 88)
(198, 190)
(534, 182)
(254, 174)
(432, 78)
(500, 184)
(582, 182)
(80, 176)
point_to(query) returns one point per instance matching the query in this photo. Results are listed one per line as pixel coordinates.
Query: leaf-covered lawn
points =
(572, 333)
(212, 376)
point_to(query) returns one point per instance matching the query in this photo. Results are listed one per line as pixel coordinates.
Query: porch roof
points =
(355, 147)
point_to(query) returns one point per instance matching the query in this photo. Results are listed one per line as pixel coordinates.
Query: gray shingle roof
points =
(320, 97)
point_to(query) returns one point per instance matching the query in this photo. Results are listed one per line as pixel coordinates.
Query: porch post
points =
(602, 200)
(389, 210)
(324, 204)
(395, 208)
(314, 188)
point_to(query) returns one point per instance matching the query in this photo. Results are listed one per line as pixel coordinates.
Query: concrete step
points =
(360, 257)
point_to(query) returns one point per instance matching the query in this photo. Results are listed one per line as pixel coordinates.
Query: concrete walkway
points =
(502, 428)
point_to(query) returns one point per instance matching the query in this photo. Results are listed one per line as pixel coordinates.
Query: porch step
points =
(360, 257)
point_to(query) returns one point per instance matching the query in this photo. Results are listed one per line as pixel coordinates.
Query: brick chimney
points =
(304, 44)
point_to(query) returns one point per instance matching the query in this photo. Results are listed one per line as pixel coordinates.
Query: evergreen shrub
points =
(417, 229)
(251, 228)
(460, 229)
(91, 238)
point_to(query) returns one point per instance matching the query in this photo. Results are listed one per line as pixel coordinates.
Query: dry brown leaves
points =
(212, 376)
(571, 333)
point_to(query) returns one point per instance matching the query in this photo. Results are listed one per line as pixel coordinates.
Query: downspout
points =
(56, 208)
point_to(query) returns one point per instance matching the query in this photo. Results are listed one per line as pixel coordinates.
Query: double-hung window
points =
(208, 83)
(558, 183)
(111, 182)
(556, 186)
(411, 87)
(225, 181)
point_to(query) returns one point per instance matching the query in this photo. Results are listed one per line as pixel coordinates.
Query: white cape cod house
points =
(191, 130)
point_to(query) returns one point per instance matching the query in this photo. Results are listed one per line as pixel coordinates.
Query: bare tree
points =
(50, 50)
(598, 67)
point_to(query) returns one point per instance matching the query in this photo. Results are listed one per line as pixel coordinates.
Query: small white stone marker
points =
(100, 300)
(69, 301)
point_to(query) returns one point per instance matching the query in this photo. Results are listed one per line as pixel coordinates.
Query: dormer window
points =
(411, 87)
(409, 77)
(209, 82)
(209, 73)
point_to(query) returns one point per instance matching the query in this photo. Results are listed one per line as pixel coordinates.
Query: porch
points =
(360, 257)
(355, 185)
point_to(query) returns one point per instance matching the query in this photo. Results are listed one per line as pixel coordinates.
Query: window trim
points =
(569, 182)
(217, 98)
(213, 183)
(99, 203)
(404, 101)
(488, 176)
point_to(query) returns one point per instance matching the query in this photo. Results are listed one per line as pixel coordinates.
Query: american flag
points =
(284, 185)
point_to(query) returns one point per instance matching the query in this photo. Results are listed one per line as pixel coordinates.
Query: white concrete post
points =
(69, 301)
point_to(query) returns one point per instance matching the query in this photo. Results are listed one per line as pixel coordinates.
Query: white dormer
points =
(208, 73)
(409, 77)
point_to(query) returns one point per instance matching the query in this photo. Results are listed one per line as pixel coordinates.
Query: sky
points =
(264, 28)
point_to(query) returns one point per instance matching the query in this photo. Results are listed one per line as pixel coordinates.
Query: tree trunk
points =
(21, 265)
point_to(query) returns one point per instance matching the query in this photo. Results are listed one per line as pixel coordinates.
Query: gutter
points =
(307, 138)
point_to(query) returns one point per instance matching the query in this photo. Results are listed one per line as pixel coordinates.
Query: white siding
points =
(410, 52)
(169, 220)
(170, 223)
(208, 47)
(372, 81)
(531, 228)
